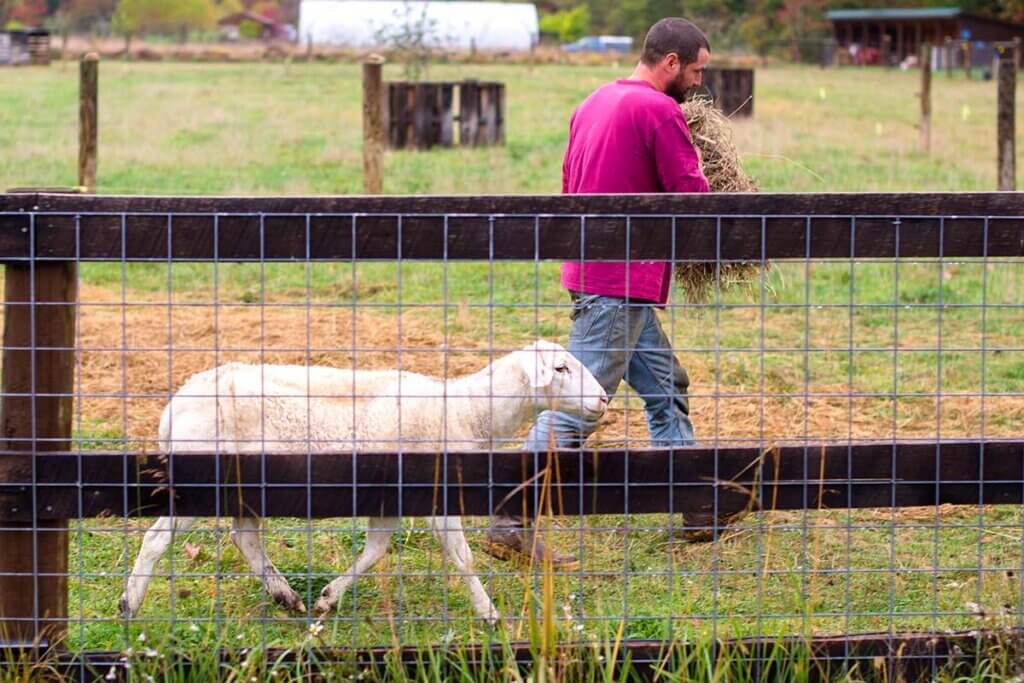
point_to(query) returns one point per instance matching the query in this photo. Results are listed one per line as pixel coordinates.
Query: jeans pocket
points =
(581, 304)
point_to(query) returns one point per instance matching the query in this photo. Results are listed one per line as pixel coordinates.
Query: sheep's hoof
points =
(323, 605)
(290, 600)
(125, 608)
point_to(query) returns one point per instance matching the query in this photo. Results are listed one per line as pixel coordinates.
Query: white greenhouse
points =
(444, 24)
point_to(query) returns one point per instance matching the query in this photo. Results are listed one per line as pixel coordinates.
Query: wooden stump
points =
(732, 90)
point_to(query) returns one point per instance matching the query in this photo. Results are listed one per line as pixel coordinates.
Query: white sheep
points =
(239, 408)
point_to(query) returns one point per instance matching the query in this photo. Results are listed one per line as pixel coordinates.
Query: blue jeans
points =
(617, 339)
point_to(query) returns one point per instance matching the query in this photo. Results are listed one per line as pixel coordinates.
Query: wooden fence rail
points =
(726, 479)
(690, 227)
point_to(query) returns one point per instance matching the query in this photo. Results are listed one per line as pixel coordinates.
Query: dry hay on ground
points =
(712, 135)
(125, 392)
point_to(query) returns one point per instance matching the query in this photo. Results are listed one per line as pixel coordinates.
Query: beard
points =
(679, 89)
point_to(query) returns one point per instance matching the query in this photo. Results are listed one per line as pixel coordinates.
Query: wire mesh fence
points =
(857, 399)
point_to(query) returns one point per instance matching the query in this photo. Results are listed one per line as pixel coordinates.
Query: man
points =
(630, 137)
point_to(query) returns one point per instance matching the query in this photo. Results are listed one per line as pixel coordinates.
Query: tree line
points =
(762, 26)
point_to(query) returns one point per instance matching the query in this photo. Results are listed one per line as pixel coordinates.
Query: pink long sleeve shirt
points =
(628, 138)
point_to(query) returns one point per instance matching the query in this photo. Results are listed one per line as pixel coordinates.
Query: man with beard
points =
(628, 137)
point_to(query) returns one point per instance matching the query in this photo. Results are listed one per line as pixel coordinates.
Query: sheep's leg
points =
(448, 531)
(154, 544)
(245, 534)
(378, 540)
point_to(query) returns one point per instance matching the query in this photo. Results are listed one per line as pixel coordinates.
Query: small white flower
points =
(142, 637)
(112, 674)
(315, 628)
(151, 653)
(193, 627)
(149, 677)
(578, 627)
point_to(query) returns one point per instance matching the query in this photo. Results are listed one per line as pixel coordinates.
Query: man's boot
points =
(509, 539)
(702, 527)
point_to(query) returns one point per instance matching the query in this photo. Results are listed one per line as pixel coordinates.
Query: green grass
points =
(295, 128)
(892, 334)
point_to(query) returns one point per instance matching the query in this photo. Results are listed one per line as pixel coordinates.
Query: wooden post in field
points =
(373, 124)
(35, 416)
(1018, 52)
(1006, 118)
(950, 56)
(925, 129)
(88, 131)
(886, 50)
(968, 58)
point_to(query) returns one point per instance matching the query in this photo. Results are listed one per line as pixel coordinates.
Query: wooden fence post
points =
(35, 410)
(968, 58)
(35, 416)
(925, 129)
(373, 124)
(1006, 124)
(88, 130)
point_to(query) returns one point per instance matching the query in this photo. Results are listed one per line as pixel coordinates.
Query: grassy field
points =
(280, 128)
(838, 350)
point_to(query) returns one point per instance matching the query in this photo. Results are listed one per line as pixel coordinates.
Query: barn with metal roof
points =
(908, 28)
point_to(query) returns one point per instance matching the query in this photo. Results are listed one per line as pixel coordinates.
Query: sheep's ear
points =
(540, 365)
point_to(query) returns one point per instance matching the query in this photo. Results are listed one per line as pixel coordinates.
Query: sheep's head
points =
(560, 382)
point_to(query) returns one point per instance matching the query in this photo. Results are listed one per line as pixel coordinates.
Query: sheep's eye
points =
(562, 368)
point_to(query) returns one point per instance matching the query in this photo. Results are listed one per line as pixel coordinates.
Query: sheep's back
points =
(238, 407)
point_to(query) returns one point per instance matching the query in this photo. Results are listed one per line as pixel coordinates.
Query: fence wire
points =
(831, 351)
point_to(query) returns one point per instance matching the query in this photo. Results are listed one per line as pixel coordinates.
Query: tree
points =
(568, 25)
(803, 21)
(141, 16)
(72, 15)
(27, 12)
(634, 17)
(412, 37)
(190, 15)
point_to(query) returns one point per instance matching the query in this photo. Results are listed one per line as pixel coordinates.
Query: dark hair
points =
(674, 34)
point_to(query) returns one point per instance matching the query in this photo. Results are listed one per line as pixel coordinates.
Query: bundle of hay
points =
(712, 135)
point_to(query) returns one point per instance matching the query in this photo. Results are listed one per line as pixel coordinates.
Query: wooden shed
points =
(24, 47)
(231, 25)
(899, 33)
